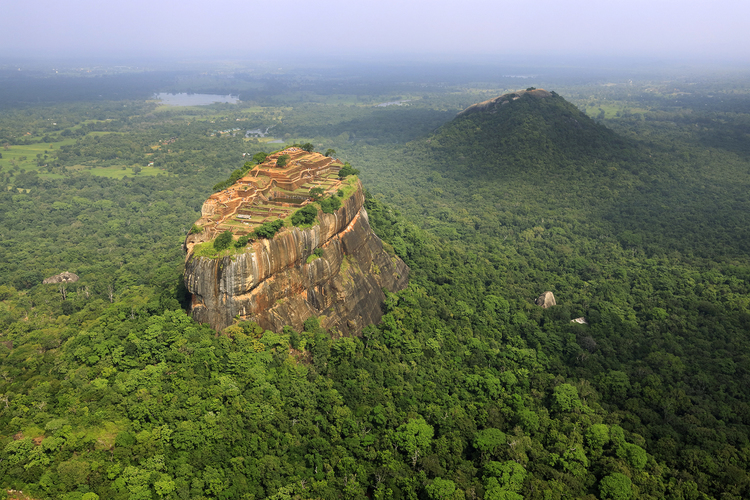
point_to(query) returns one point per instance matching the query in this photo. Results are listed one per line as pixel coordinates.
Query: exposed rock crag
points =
(272, 283)
(491, 105)
(65, 277)
(545, 300)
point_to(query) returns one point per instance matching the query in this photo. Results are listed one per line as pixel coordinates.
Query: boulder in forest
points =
(545, 300)
(65, 277)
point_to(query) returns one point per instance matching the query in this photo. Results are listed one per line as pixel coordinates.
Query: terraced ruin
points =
(269, 192)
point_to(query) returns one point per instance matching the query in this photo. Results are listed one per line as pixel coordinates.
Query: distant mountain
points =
(528, 128)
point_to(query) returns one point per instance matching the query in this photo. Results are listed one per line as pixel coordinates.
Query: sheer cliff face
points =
(272, 283)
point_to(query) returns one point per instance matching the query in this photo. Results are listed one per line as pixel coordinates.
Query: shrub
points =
(347, 170)
(223, 240)
(317, 253)
(242, 241)
(269, 229)
(282, 160)
(304, 216)
(330, 205)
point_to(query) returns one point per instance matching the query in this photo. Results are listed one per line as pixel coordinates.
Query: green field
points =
(113, 172)
(25, 156)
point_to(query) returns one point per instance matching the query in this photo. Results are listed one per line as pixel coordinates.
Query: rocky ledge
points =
(281, 282)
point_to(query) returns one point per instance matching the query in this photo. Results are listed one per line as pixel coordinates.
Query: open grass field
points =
(24, 156)
(100, 133)
(206, 113)
(113, 172)
(87, 122)
(196, 110)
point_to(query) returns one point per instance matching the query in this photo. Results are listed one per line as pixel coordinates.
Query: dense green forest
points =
(627, 200)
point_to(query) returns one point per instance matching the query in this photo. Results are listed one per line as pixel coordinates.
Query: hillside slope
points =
(522, 130)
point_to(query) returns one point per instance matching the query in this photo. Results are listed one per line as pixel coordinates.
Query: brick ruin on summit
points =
(268, 192)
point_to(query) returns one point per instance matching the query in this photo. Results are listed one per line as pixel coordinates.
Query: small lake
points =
(392, 103)
(184, 99)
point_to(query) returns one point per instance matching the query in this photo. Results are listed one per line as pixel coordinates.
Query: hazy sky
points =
(682, 29)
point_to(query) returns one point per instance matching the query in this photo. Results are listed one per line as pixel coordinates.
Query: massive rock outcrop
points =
(280, 282)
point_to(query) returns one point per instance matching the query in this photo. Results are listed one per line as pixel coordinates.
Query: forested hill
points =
(526, 129)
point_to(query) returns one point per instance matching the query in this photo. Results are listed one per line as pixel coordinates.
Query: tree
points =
(414, 437)
(503, 480)
(316, 193)
(510, 475)
(566, 397)
(597, 436)
(616, 486)
(223, 240)
(308, 146)
(242, 241)
(636, 455)
(282, 160)
(330, 205)
(305, 215)
(488, 440)
(616, 384)
(440, 489)
(260, 157)
(330, 152)
(347, 170)
(269, 229)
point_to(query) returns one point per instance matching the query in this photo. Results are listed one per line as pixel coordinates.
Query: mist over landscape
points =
(377, 250)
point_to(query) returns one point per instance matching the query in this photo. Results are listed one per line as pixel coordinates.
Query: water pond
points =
(392, 103)
(184, 99)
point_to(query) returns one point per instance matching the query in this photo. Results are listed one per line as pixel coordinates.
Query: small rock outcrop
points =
(545, 300)
(580, 321)
(491, 104)
(282, 281)
(65, 277)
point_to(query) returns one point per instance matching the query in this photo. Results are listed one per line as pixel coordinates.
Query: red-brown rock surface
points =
(272, 284)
